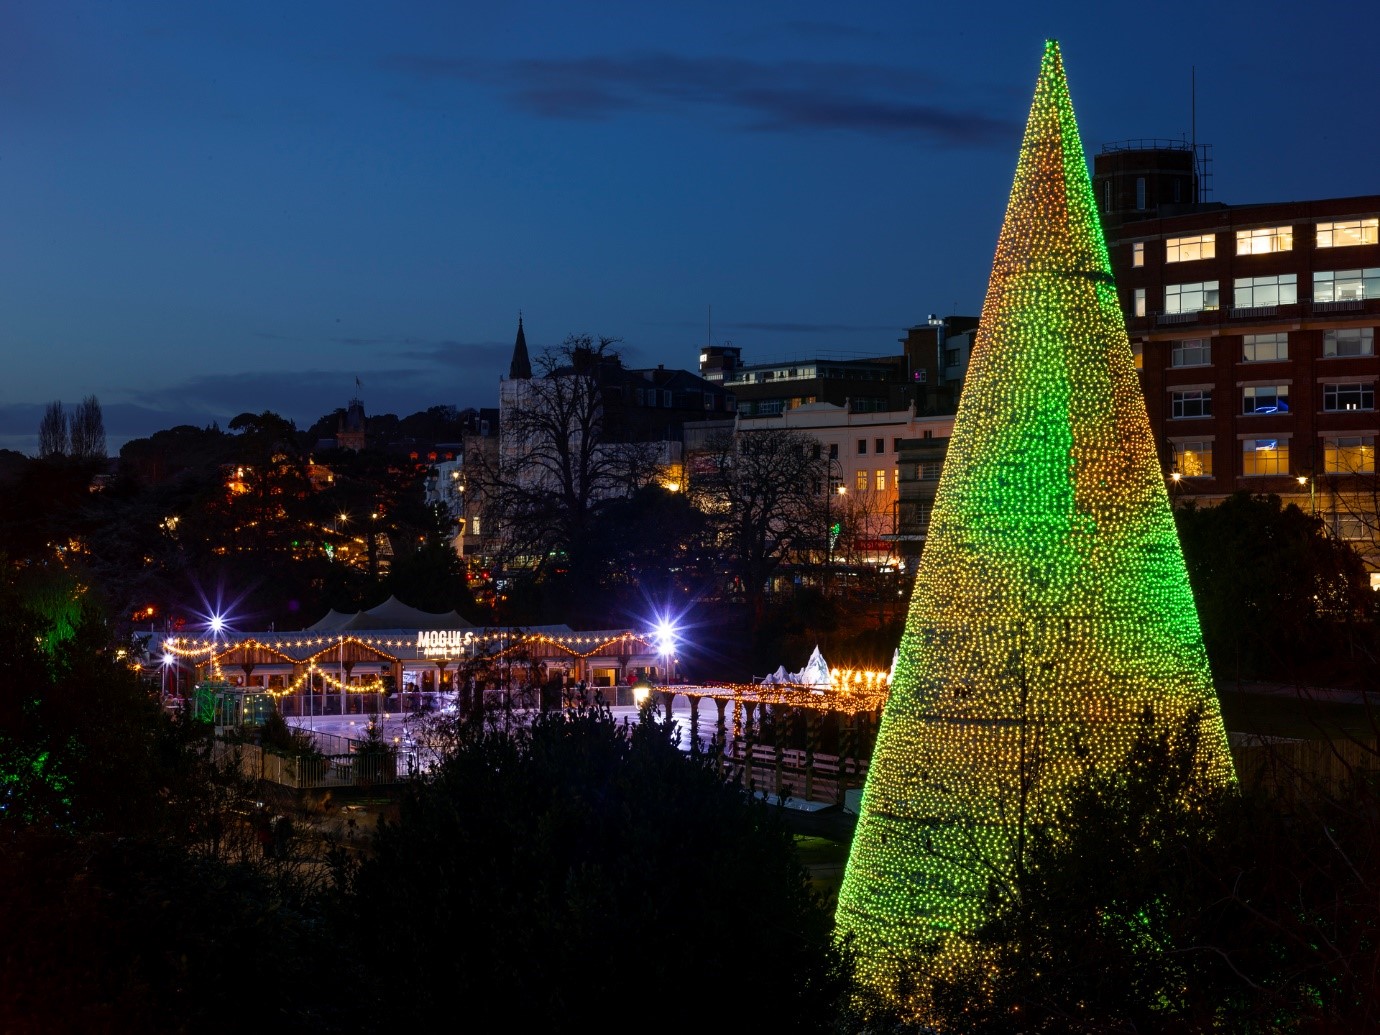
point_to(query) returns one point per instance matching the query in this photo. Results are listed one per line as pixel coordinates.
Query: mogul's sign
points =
(444, 643)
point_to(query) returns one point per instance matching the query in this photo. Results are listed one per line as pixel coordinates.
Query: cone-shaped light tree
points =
(1052, 608)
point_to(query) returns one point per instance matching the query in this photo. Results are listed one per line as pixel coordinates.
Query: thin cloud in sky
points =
(782, 96)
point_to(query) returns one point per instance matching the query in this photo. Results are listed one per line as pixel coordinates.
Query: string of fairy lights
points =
(1051, 604)
(850, 690)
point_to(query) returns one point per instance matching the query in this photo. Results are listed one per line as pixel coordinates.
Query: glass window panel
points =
(1187, 249)
(1264, 456)
(1194, 459)
(1193, 403)
(1349, 341)
(1348, 233)
(1265, 399)
(1191, 298)
(1346, 285)
(1350, 454)
(1265, 239)
(1263, 348)
(1355, 395)
(1192, 352)
(1138, 253)
(1248, 292)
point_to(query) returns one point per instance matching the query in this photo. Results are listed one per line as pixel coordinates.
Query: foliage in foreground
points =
(580, 870)
(1156, 904)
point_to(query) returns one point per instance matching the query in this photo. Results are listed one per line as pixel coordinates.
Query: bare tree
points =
(762, 490)
(558, 463)
(52, 432)
(86, 432)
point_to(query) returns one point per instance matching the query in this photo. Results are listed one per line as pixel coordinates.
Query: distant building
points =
(927, 373)
(1254, 328)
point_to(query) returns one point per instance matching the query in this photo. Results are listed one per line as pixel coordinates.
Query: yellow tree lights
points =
(1051, 608)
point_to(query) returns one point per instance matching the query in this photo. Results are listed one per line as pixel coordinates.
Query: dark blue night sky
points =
(207, 208)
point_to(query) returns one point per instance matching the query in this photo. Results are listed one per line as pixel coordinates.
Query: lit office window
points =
(1138, 253)
(1191, 298)
(1248, 292)
(1264, 456)
(1345, 233)
(1265, 239)
(881, 480)
(1187, 249)
(1346, 285)
(860, 481)
(1349, 454)
(1194, 459)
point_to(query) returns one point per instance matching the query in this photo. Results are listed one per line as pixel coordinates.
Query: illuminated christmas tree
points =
(1051, 606)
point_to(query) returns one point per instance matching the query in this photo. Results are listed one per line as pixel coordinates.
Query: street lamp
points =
(1304, 479)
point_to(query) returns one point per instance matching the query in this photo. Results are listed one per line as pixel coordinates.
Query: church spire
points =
(1051, 609)
(521, 367)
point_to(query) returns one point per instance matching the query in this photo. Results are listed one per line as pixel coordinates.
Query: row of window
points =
(879, 446)
(1273, 347)
(1266, 399)
(1263, 240)
(1342, 454)
(1255, 292)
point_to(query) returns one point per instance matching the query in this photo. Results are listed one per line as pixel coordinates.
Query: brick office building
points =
(1254, 330)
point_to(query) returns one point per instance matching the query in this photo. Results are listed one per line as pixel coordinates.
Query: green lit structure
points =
(1051, 605)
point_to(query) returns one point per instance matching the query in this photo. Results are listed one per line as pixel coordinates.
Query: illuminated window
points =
(1138, 354)
(1353, 395)
(1349, 454)
(1194, 459)
(1265, 399)
(1264, 348)
(1139, 304)
(881, 480)
(1186, 249)
(1191, 352)
(1248, 292)
(1350, 526)
(1191, 298)
(1346, 285)
(1265, 239)
(1264, 456)
(860, 481)
(1138, 253)
(1195, 403)
(1349, 341)
(1347, 232)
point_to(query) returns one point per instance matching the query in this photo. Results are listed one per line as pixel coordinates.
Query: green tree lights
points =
(1051, 609)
